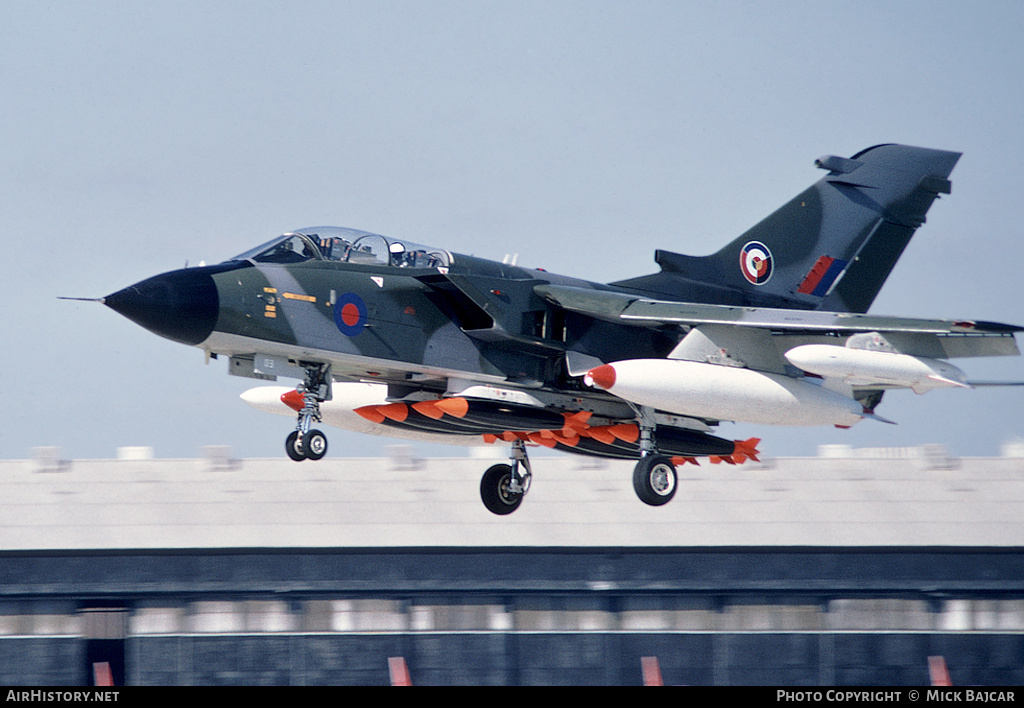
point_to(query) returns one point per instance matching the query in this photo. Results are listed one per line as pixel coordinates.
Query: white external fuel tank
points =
(339, 412)
(724, 393)
(861, 367)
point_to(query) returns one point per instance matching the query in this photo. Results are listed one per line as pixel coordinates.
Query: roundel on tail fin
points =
(756, 262)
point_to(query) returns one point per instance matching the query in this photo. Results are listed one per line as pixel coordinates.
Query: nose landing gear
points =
(304, 443)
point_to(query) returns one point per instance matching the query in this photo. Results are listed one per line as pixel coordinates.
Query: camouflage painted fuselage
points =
(480, 320)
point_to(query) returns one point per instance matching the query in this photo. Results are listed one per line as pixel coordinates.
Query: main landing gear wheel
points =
(496, 490)
(654, 479)
(503, 486)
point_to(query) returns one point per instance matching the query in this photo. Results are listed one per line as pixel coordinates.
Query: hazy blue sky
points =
(136, 137)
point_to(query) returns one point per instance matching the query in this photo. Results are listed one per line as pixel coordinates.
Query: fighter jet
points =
(414, 341)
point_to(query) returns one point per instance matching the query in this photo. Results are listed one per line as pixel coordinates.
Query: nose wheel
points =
(305, 443)
(311, 446)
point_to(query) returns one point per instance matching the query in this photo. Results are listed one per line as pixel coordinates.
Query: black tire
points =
(654, 480)
(291, 446)
(314, 445)
(495, 493)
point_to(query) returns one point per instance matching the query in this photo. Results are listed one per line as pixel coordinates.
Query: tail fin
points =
(830, 248)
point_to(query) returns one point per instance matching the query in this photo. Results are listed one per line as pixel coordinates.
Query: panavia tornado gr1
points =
(413, 341)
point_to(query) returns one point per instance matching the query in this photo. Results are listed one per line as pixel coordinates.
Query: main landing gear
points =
(654, 477)
(304, 443)
(503, 486)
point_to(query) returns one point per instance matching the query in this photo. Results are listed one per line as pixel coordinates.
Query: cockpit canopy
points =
(333, 243)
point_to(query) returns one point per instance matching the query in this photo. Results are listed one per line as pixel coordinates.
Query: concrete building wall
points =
(696, 659)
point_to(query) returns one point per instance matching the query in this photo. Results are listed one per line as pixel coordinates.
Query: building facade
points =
(217, 571)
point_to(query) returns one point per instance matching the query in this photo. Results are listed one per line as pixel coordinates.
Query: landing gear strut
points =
(503, 486)
(304, 443)
(654, 477)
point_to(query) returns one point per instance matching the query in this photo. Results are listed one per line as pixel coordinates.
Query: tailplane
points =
(830, 248)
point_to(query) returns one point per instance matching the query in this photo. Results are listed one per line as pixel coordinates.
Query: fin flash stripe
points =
(822, 275)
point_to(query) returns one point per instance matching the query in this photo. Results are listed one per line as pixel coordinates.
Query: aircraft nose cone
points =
(181, 305)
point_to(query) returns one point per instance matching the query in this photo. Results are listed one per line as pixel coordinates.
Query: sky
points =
(136, 138)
